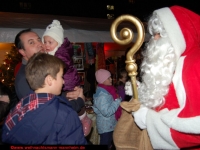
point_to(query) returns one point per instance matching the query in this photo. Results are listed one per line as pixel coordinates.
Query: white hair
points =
(155, 26)
(157, 67)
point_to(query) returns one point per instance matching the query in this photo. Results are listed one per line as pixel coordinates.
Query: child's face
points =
(58, 83)
(108, 81)
(50, 43)
(123, 78)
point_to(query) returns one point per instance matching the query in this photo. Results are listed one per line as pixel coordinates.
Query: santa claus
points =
(170, 89)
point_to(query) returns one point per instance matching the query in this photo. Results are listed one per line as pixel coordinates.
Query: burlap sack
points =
(128, 136)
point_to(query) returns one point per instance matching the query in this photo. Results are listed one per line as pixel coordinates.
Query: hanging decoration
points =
(100, 56)
(90, 53)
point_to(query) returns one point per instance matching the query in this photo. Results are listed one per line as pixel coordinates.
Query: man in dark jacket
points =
(29, 43)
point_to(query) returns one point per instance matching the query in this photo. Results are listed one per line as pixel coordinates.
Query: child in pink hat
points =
(106, 103)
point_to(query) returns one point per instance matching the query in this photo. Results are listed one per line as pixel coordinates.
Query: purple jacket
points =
(65, 52)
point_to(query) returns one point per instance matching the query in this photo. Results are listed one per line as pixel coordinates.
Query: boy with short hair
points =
(56, 45)
(43, 117)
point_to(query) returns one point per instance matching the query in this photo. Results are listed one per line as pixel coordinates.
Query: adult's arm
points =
(22, 87)
(76, 98)
(77, 104)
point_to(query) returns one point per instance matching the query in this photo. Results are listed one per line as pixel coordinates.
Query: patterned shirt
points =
(26, 105)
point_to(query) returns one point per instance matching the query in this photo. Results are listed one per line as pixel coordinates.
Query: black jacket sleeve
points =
(77, 104)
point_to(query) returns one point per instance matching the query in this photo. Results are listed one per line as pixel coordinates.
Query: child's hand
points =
(77, 92)
(72, 95)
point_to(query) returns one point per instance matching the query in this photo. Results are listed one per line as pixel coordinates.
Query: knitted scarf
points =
(111, 89)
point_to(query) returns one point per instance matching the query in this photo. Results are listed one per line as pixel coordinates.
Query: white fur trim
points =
(187, 125)
(140, 117)
(159, 124)
(178, 83)
(158, 131)
(173, 30)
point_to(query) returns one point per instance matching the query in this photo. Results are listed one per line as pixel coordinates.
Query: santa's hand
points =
(140, 117)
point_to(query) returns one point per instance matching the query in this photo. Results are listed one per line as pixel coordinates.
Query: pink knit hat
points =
(102, 75)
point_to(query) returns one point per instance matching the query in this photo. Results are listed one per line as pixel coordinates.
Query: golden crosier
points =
(127, 35)
(127, 135)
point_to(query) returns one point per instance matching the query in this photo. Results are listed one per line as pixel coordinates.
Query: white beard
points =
(157, 70)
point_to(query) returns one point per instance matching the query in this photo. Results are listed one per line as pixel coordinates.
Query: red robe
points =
(177, 123)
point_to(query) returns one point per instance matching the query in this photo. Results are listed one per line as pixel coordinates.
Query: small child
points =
(43, 117)
(56, 45)
(106, 102)
(122, 77)
(53, 40)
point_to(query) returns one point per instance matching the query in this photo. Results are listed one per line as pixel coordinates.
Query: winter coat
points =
(65, 52)
(105, 107)
(52, 123)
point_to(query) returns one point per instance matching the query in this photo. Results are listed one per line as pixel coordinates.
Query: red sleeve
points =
(17, 68)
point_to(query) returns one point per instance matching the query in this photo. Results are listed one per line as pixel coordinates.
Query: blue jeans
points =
(106, 138)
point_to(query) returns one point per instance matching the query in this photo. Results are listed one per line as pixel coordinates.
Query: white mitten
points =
(128, 88)
(140, 117)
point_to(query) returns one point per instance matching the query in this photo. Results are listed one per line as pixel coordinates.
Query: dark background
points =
(94, 8)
